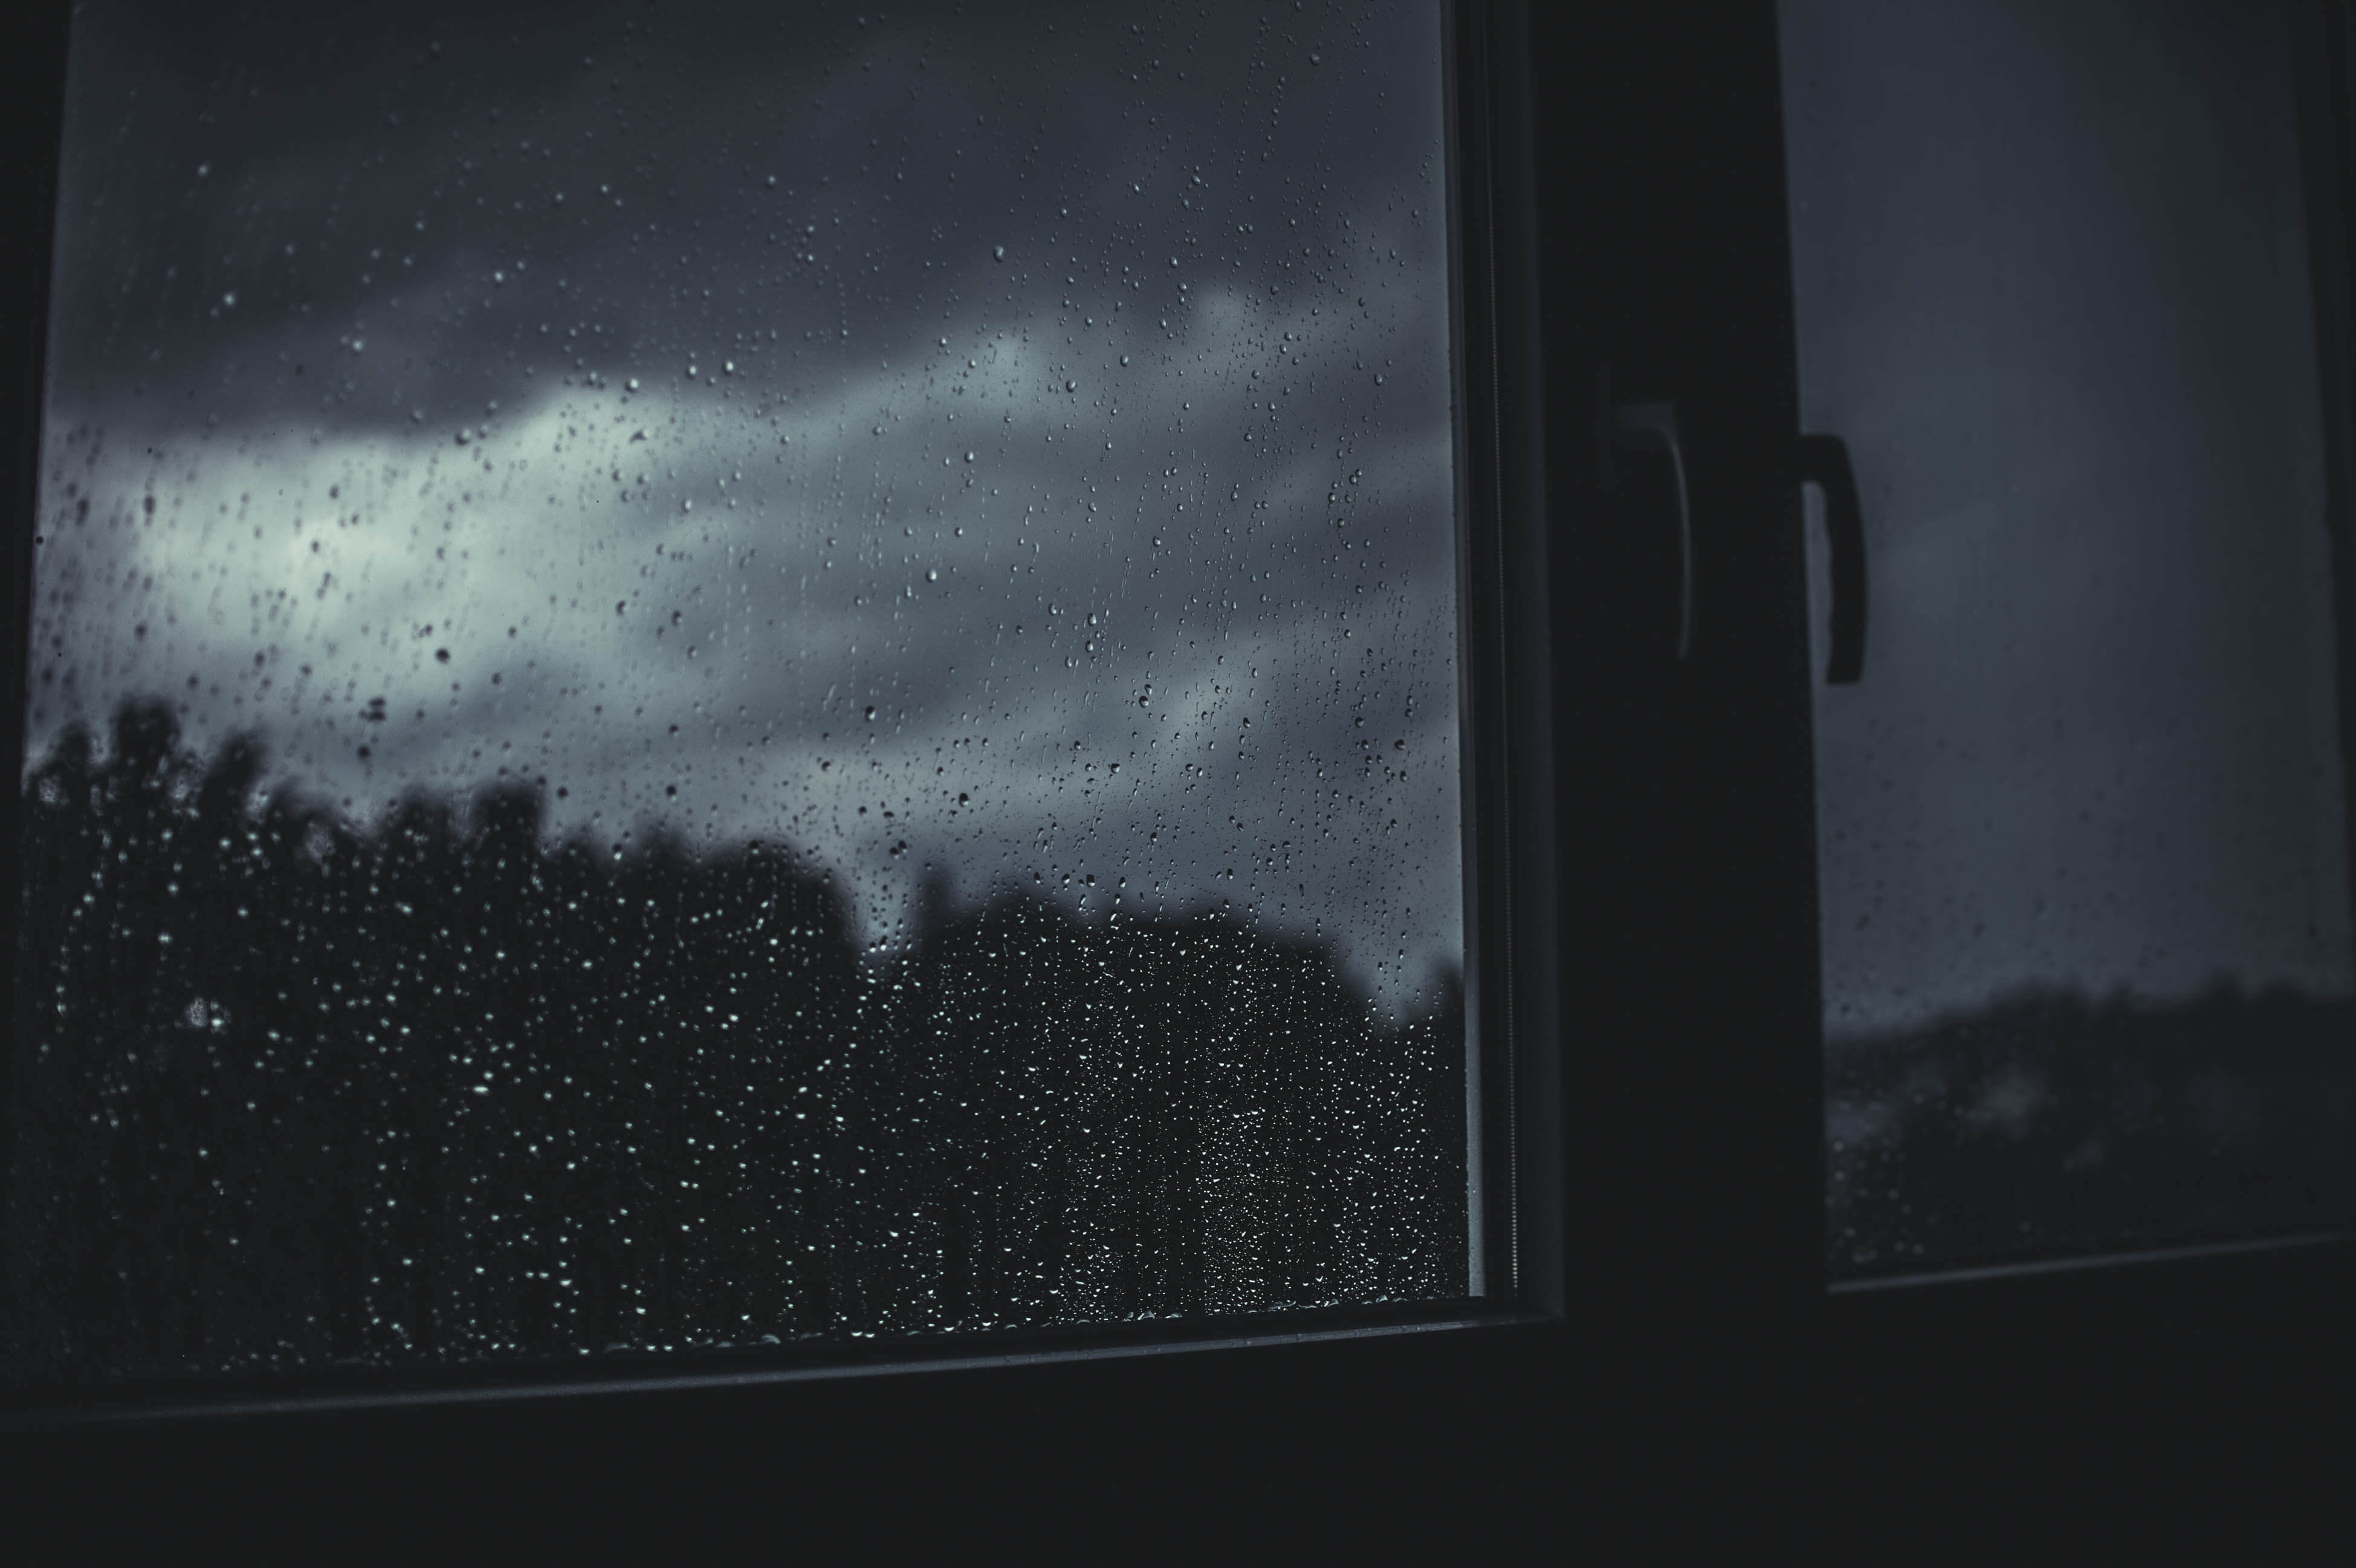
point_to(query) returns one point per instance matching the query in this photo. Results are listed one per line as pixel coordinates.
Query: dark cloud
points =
(476, 197)
(1032, 424)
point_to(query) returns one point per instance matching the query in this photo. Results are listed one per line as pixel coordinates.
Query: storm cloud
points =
(1011, 446)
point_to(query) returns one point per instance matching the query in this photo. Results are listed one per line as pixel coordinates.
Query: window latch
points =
(1823, 461)
(1654, 425)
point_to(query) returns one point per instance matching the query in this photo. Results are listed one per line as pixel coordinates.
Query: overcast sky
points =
(2052, 287)
(1030, 423)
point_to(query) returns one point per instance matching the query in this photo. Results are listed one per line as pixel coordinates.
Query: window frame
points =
(1498, 1341)
(1661, 182)
(1700, 1300)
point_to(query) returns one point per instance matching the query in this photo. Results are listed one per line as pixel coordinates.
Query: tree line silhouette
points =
(286, 1091)
(2047, 1125)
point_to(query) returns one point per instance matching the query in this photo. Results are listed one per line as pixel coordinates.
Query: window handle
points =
(1656, 424)
(1824, 462)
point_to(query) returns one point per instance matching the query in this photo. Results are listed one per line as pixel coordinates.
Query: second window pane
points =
(2085, 899)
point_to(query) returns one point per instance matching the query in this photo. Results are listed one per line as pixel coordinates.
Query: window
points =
(1651, 308)
(739, 685)
(2083, 825)
(1932, 240)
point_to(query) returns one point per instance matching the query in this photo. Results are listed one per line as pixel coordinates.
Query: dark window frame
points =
(1691, 1006)
(1623, 229)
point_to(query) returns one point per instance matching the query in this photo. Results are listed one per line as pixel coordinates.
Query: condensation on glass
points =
(707, 676)
(2085, 912)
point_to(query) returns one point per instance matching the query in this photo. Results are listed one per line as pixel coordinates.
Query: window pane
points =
(717, 675)
(2085, 899)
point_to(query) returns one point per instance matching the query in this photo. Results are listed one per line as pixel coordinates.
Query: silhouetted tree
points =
(288, 1092)
(2046, 1125)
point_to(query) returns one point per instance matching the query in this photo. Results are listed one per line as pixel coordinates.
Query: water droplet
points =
(1124, 358)
(1071, 386)
(999, 254)
(634, 383)
(932, 574)
(968, 456)
(871, 715)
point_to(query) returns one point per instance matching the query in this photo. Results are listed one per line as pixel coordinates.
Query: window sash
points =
(1509, 959)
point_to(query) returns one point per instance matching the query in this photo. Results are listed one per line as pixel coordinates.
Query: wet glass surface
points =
(724, 676)
(2085, 913)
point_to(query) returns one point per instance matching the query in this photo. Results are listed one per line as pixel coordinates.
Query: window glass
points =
(707, 676)
(2087, 956)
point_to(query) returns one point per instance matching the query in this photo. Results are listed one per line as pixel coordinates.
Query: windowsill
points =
(352, 1389)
